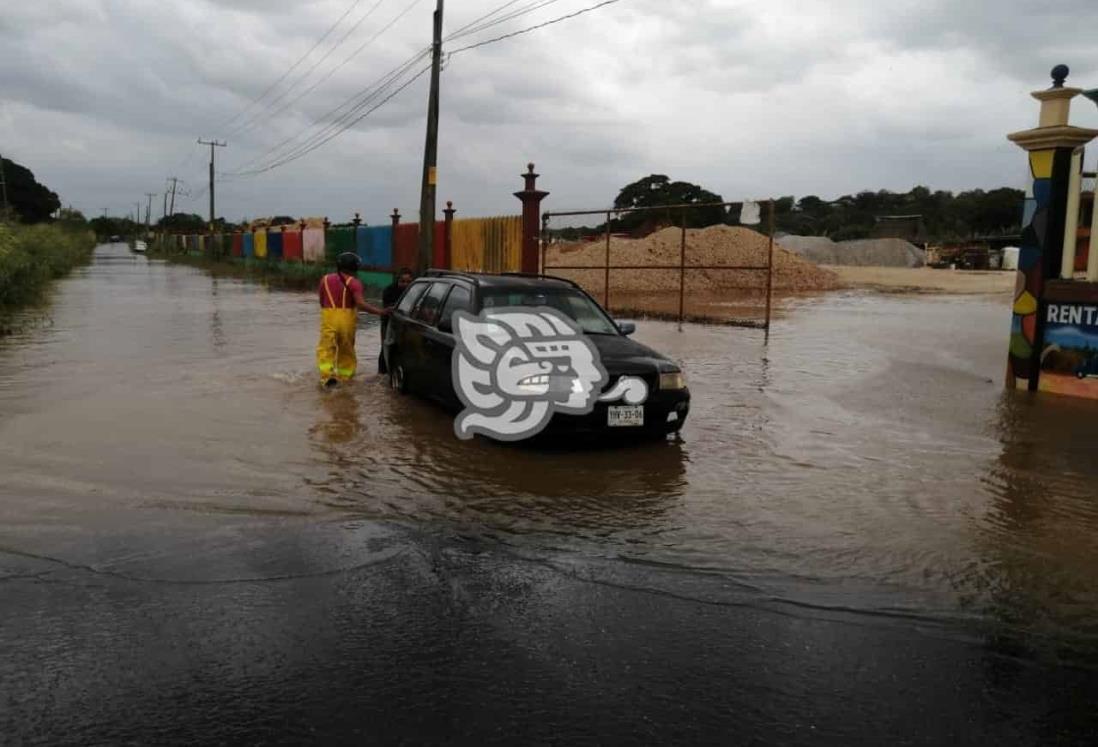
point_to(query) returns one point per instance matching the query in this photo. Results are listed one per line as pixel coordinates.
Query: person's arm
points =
(362, 304)
(389, 296)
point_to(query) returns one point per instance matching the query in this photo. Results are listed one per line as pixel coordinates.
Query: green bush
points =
(32, 256)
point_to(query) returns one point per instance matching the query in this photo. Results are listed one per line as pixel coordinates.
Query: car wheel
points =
(398, 378)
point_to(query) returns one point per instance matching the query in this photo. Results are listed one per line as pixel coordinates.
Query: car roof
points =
(502, 281)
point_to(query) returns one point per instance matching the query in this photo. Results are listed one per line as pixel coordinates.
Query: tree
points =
(71, 217)
(105, 227)
(657, 190)
(183, 223)
(31, 201)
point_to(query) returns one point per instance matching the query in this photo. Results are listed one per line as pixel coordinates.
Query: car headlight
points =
(672, 381)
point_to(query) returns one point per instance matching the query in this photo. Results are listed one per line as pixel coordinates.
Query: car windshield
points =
(586, 313)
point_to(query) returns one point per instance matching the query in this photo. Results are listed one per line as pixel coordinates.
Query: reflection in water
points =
(340, 424)
(1040, 565)
(217, 330)
(403, 460)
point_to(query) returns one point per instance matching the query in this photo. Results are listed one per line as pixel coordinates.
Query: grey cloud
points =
(104, 98)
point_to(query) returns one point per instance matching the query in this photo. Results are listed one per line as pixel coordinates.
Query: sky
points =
(104, 99)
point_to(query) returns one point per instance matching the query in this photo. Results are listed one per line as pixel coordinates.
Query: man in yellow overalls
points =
(340, 300)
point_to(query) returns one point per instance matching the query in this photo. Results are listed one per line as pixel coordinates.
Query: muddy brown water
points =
(858, 528)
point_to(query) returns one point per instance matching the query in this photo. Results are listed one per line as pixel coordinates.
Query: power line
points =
(344, 121)
(357, 102)
(527, 30)
(482, 18)
(349, 57)
(292, 67)
(517, 13)
(251, 121)
(306, 150)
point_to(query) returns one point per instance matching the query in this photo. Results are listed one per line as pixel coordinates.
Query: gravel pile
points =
(716, 245)
(861, 253)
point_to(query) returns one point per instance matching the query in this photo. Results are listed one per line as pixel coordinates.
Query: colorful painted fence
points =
(475, 245)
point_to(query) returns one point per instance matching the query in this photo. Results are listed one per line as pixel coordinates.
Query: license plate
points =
(625, 416)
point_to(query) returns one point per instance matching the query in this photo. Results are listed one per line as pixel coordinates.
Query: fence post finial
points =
(448, 237)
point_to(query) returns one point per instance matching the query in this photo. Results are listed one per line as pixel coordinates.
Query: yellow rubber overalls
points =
(335, 353)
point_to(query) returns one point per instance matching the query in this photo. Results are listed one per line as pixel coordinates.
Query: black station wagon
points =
(419, 348)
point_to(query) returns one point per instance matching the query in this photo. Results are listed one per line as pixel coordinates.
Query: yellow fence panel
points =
(467, 245)
(487, 244)
(260, 243)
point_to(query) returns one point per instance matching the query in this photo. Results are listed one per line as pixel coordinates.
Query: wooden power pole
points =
(430, 153)
(171, 207)
(213, 144)
(148, 209)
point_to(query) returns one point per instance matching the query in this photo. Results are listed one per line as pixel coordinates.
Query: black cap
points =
(348, 262)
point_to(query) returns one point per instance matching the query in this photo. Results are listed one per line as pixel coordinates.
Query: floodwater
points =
(859, 539)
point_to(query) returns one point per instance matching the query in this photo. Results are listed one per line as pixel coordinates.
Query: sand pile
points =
(716, 245)
(859, 253)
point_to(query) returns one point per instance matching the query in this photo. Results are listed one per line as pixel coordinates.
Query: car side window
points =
(408, 302)
(428, 308)
(459, 300)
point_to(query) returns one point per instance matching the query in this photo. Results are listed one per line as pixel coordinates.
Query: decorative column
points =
(1050, 146)
(448, 237)
(1092, 256)
(531, 198)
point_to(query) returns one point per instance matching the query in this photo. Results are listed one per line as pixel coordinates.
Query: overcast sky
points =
(103, 99)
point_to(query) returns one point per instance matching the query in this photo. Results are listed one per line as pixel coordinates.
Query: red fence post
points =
(393, 241)
(531, 220)
(302, 225)
(448, 240)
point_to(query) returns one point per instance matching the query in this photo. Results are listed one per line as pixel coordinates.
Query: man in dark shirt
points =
(389, 298)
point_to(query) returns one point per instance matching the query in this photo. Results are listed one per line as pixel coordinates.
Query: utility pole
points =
(164, 210)
(148, 209)
(430, 153)
(214, 144)
(171, 207)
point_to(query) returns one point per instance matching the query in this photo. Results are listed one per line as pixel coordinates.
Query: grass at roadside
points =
(32, 256)
(289, 275)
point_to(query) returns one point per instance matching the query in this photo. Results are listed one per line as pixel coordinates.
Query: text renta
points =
(1067, 314)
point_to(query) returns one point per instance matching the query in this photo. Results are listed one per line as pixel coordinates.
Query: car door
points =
(421, 354)
(401, 333)
(442, 348)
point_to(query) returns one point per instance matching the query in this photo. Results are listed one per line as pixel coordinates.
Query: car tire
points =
(398, 377)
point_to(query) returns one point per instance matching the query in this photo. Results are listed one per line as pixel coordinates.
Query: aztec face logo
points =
(514, 367)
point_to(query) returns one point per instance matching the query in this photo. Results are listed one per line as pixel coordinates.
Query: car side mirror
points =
(627, 328)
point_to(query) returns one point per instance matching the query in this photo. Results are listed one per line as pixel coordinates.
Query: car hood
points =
(621, 355)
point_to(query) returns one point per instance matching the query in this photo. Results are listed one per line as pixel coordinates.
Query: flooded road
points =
(859, 538)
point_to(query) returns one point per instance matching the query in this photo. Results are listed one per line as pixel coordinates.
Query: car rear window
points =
(577, 306)
(427, 311)
(408, 302)
(459, 300)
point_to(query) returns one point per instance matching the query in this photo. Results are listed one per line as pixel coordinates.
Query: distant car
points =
(419, 347)
(115, 239)
(1087, 368)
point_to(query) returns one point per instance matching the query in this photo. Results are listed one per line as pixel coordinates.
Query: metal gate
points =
(763, 270)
